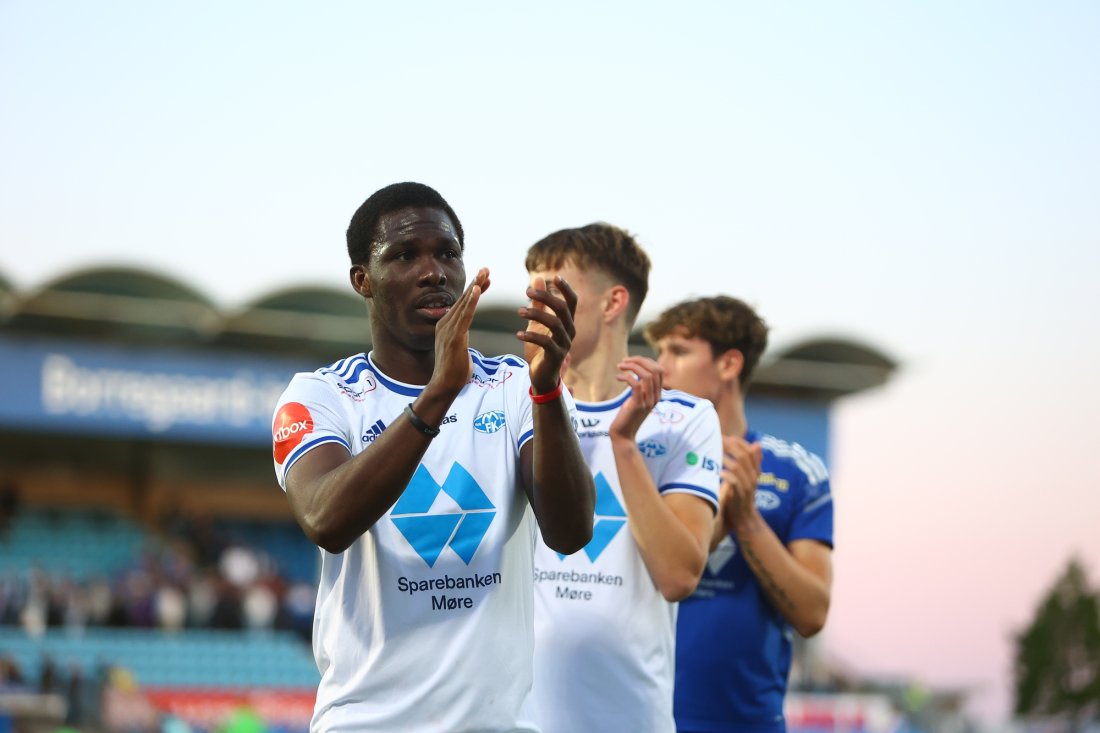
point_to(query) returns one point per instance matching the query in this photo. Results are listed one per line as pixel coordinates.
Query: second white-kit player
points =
(605, 617)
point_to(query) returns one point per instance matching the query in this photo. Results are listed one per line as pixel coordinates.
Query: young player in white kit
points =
(605, 617)
(415, 468)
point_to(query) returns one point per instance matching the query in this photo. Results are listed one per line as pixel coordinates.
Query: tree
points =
(1057, 665)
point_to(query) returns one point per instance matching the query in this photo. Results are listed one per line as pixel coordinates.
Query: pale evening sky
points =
(922, 176)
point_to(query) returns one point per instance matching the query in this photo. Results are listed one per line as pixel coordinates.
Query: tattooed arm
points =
(796, 578)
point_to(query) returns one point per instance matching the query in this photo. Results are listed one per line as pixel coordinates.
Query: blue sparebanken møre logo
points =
(428, 533)
(610, 518)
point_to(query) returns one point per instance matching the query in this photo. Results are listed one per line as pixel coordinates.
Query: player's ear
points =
(360, 280)
(730, 364)
(618, 300)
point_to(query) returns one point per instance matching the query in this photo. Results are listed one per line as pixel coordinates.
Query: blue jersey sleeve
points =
(812, 518)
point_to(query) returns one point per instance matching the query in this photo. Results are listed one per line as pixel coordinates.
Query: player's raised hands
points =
(740, 472)
(550, 331)
(453, 366)
(644, 377)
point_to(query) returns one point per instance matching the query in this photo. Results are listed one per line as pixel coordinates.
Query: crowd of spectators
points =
(189, 575)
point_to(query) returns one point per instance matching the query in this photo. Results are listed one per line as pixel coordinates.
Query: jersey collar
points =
(606, 405)
(409, 390)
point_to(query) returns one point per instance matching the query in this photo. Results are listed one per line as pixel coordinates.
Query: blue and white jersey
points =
(425, 622)
(604, 634)
(733, 649)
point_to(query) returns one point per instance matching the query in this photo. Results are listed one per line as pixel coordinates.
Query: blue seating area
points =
(206, 659)
(77, 543)
(295, 556)
(81, 544)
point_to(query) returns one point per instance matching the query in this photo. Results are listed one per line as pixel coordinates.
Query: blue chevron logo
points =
(610, 518)
(430, 534)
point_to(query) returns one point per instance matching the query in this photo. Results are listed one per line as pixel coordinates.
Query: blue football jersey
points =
(733, 649)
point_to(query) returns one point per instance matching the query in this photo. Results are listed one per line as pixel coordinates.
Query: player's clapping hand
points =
(644, 377)
(550, 331)
(453, 366)
(740, 472)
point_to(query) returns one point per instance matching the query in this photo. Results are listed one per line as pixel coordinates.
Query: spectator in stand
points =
(11, 676)
(171, 607)
(163, 588)
(48, 681)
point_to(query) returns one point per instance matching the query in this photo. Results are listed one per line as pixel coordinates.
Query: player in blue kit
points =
(770, 569)
(415, 468)
(605, 617)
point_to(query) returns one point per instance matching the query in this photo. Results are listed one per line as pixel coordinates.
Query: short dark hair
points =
(363, 229)
(607, 248)
(723, 322)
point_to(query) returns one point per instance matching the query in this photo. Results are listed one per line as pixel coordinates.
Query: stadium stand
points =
(74, 543)
(192, 658)
(149, 565)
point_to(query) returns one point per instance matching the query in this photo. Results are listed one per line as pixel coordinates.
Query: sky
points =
(922, 177)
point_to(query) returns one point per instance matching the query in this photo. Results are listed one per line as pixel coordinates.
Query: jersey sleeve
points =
(306, 416)
(812, 518)
(694, 466)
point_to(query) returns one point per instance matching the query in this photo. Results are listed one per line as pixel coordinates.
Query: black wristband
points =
(420, 424)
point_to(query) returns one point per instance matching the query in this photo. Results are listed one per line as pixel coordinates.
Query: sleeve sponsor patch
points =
(292, 424)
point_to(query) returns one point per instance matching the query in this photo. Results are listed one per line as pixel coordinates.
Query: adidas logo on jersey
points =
(374, 431)
(428, 532)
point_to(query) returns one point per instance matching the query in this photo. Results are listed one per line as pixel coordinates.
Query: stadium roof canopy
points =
(116, 303)
(7, 298)
(311, 320)
(831, 367)
(145, 307)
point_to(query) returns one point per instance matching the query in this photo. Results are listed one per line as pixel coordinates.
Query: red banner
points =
(210, 708)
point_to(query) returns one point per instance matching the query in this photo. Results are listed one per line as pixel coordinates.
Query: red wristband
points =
(541, 399)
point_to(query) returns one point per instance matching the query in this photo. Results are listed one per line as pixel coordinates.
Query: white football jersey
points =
(604, 634)
(425, 622)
